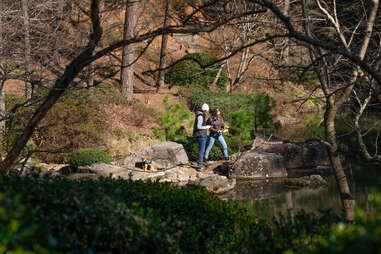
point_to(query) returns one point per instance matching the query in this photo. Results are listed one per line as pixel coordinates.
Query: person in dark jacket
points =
(200, 131)
(216, 131)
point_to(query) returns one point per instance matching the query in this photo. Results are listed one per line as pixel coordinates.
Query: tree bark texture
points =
(347, 200)
(2, 81)
(286, 51)
(163, 51)
(128, 53)
(27, 50)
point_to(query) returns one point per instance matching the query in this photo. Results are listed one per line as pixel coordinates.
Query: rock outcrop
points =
(259, 165)
(178, 176)
(298, 155)
(164, 155)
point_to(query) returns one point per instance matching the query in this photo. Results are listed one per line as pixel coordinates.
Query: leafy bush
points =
(173, 121)
(88, 156)
(242, 123)
(190, 71)
(361, 237)
(118, 216)
(19, 231)
(259, 105)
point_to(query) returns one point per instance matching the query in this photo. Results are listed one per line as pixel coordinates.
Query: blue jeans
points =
(201, 149)
(220, 138)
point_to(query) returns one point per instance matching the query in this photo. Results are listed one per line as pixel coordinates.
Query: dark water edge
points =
(268, 198)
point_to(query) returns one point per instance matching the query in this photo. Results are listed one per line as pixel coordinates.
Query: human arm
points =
(199, 124)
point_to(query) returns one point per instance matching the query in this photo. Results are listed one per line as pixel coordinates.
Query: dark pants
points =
(201, 149)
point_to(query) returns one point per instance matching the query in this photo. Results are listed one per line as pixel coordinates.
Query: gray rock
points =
(164, 155)
(259, 165)
(103, 169)
(299, 155)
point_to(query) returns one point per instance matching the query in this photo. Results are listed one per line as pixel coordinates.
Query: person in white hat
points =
(200, 131)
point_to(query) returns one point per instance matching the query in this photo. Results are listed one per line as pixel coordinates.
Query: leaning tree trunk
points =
(163, 51)
(347, 200)
(28, 84)
(60, 86)
(128, 54)
(286, 51)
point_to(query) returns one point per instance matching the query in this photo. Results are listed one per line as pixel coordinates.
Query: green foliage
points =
(19, 231)
(173, 121)
(88, 156)
(361, 237)
(191, 70)
(257, 104)
(118, 216)
(242, 123)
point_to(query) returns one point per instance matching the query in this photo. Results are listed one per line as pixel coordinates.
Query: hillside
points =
(126, 127)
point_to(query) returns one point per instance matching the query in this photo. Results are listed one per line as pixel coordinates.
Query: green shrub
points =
(88, 156)
(175, 121)
(360, 237)
(191, 70)
(118, 216)
(259, 105)
(19, 231)
(242, 123)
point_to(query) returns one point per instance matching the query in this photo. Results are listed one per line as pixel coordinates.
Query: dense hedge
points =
(87, 156)
(191, 70)
(117, 216)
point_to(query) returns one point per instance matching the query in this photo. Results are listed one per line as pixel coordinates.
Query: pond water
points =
(268, 198)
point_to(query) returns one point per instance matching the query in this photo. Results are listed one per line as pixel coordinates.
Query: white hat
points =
(205, 107)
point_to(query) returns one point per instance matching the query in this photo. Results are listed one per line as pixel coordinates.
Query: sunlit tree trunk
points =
(28, 61)
(128, 54)
(347, 200)
(163, 51)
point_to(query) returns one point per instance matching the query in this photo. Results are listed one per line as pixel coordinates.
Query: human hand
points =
(208, 126)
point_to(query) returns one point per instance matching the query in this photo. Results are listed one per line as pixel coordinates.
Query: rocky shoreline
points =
(267, 159)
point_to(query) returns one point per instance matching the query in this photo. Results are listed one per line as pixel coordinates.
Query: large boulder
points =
(259, 165)
(164, 155)
(299, 155)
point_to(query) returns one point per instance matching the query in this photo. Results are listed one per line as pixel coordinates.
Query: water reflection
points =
(268, 198)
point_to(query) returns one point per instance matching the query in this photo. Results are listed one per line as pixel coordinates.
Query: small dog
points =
(148, 164)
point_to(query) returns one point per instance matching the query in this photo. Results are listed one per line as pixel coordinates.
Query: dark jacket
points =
(217, 124)
(200, 132)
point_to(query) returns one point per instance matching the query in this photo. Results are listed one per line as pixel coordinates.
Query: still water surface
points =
(268, 198)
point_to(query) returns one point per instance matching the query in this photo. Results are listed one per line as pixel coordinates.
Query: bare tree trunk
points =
(217, 76)
(163, 51)
(61, 84)
(2, 92)
(347, 200)
(286, 51)
(2, 104)
(91, 68)
(128, 54)
(28, 84)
